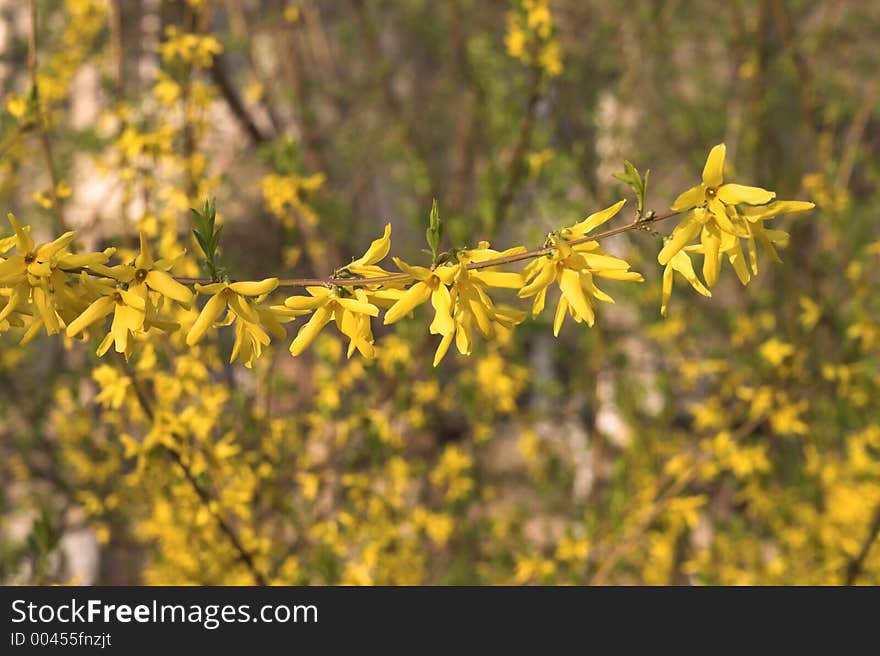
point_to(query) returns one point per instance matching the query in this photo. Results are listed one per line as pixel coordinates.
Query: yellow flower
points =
(720, 224)
(366, 264)
(715, 195)
(714, 214)
(464, 319)
(471, 303)
(572, 268)
(31, 260)
(811, 312)
(351, 313)
(16, 105)
(147, 274)
(129, 315)
(776, 351)
(716, 242)
(27, 273)
(232, 296)
(431, 284)
(251, 335)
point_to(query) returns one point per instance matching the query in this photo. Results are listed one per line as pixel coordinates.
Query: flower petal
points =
(358, 307)
(683, 233)
(310, 330)
(596, 219)
(738, 261)
(559, 317)
(412, 298)
(711, 240)
(545, 275)
(504, 279)
(719, 210)
(441, 300)
(242, 308)
(776, 208)
(443, 347)
(713, 171)
(417, 272)
(570, 284)
(376, 252)
(693, 197)
(168, 286)
(731, 194)
(682, 263)
(248, 288)
(144, 260)
(47, 251)
(304, 303)
(667, 287)
(95, 312)
(209, 314)
(25, 244)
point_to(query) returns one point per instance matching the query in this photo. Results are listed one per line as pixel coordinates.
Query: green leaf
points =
(634, 180)
(434, 233)
(207, 236)
(201, 241)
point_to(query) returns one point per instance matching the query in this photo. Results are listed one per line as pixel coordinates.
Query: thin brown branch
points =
(854, 135)
(40, 119)
(515, 169)
(117, 50)
(671, 488)
(220, 77)
(642, 224)
(204, 495)
(856, 565)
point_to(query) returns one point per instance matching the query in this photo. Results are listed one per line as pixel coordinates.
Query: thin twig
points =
(857, 564)
(671, 489)
(515, 169)
(236, 105)
(204, 495)
(40, 119)
(403, 277)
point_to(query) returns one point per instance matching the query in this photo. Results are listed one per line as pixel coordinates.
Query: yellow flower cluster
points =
(722, 215)
(531, 36)
(196, 49)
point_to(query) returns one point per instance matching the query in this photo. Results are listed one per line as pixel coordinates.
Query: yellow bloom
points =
(464, 319)
(149, 274)
(250, 338)
(16, 105)
(232, 296)
(716, 242)
(714, 213)
(366, 264)
(129, 315)
(31, 260)
(572, 268)
(720, 224)
(472, 305)
(351, 313)
(27, 273)
(715, 195)
(430, 284)
(776, 351)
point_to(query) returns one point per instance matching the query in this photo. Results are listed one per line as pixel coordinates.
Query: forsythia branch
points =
(49, 287)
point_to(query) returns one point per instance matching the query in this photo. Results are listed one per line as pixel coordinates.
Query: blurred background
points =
(735, 442)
